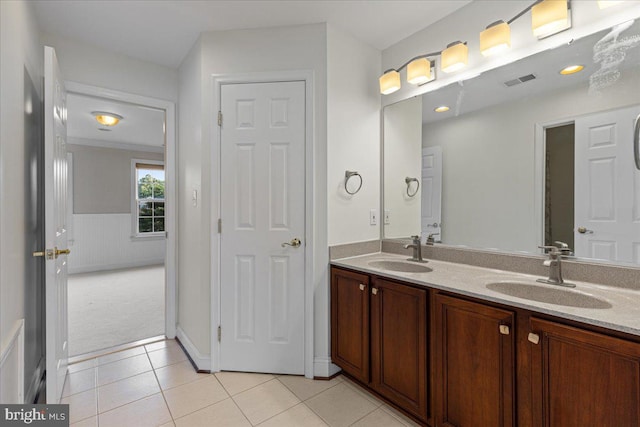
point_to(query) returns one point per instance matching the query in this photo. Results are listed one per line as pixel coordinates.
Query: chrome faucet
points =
(431, 240)
(555, 264)
(417, 249)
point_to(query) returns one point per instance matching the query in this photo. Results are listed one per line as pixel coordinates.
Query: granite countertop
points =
(623, 315)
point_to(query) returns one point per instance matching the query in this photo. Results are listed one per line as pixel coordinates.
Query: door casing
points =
(217, 80)
(170, 190)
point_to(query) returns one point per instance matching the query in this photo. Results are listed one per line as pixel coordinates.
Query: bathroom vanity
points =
(460, 345)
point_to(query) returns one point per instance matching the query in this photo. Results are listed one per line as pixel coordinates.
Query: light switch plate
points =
(387, 217)
(373, 217)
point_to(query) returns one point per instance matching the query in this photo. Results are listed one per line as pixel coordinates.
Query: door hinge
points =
(219, 225)
(219, 118)
(219, 333)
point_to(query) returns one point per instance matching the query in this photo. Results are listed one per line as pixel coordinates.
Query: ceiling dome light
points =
(389, 82)
(106, 119)
(571, 69)
(549, 17)
(455, 57)
(603, 4)
(419, 71)
(441, 109)
(495, 38)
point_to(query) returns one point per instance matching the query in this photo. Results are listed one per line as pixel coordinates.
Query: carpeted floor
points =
(109, 308)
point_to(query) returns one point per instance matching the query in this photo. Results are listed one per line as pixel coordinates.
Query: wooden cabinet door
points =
(582, 378)
(399, 361)
(474, 363)
(350, 322)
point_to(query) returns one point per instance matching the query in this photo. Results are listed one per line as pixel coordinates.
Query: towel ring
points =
(409, 181)
(347, 176)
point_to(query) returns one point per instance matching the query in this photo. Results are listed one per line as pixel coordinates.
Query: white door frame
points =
(217, 80)
(170, 187)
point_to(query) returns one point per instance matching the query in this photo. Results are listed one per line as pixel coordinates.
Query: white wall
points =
(19, 49)
(496, 209)
(402, 159)
(353, 136)
(95, 66)
(466, 24)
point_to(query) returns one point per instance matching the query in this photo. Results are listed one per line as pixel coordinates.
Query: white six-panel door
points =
(55, 175)
(262, 208)
(607, 187)
(431, 209)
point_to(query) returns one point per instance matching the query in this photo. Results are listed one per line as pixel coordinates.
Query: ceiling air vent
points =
(519, 80)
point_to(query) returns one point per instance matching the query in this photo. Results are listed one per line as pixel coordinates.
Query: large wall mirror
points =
(525, 155)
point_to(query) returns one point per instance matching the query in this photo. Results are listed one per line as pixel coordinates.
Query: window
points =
(149, 198)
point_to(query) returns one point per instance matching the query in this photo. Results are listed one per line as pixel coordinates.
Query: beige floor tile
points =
(161, 344)
(81, 366)
(166, 356)
(178, 374)
(378, 418)
(82, 405)
(121, 369)
(221, 414)
(358, 389)
(299, 415)
(79, 381)
(237, 382)
(401, 417)
(305, 388)
(266, 400)
(135, 351)
(151, 411)
(340, 405)
(193, 396)
(126, 391)
(88, 422)
(169, 424)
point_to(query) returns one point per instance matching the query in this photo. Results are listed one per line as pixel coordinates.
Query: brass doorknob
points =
(62, 252)
(52, 253)
(295, 243)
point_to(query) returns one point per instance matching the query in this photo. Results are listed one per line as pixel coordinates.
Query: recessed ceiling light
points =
(106, 119)
(571, 69)
(441, 109)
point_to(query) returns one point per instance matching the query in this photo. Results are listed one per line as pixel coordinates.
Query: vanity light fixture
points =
(419, 71)
(106, 119)
(571, 69)
(441, 109)
(549, 17)
(389, 82)
(455, 57)
(603, 4)
(495, 38)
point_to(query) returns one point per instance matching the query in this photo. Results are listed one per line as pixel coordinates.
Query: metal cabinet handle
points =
(533, 338)
(374, 291)
(362, 287)
(294, 243)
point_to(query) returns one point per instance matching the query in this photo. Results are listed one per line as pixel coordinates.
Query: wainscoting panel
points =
(103, 242)
(12, 365)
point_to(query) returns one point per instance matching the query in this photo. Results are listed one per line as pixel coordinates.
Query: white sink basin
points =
(407, 267)
(548, 294)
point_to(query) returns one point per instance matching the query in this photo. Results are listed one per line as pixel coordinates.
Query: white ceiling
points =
(163, 31)
(141, 127)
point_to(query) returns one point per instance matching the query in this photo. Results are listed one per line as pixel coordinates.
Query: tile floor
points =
(155, 385)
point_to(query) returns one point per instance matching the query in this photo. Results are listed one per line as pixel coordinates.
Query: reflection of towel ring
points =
(409, 181)
(347, 176)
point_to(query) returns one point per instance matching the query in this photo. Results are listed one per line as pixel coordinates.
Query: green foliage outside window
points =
(150, 201)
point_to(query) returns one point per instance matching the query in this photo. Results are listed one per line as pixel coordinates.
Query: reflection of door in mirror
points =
(432, 192)
(607, 188)
(402, 160)
(592, 189)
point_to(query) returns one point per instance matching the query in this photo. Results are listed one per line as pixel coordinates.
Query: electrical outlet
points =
(373, 217)
(387, 217)
(194, 198)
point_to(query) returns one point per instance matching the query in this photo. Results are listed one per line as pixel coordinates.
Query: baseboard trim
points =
(199, 361)
(118, 266)
(324, 369)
